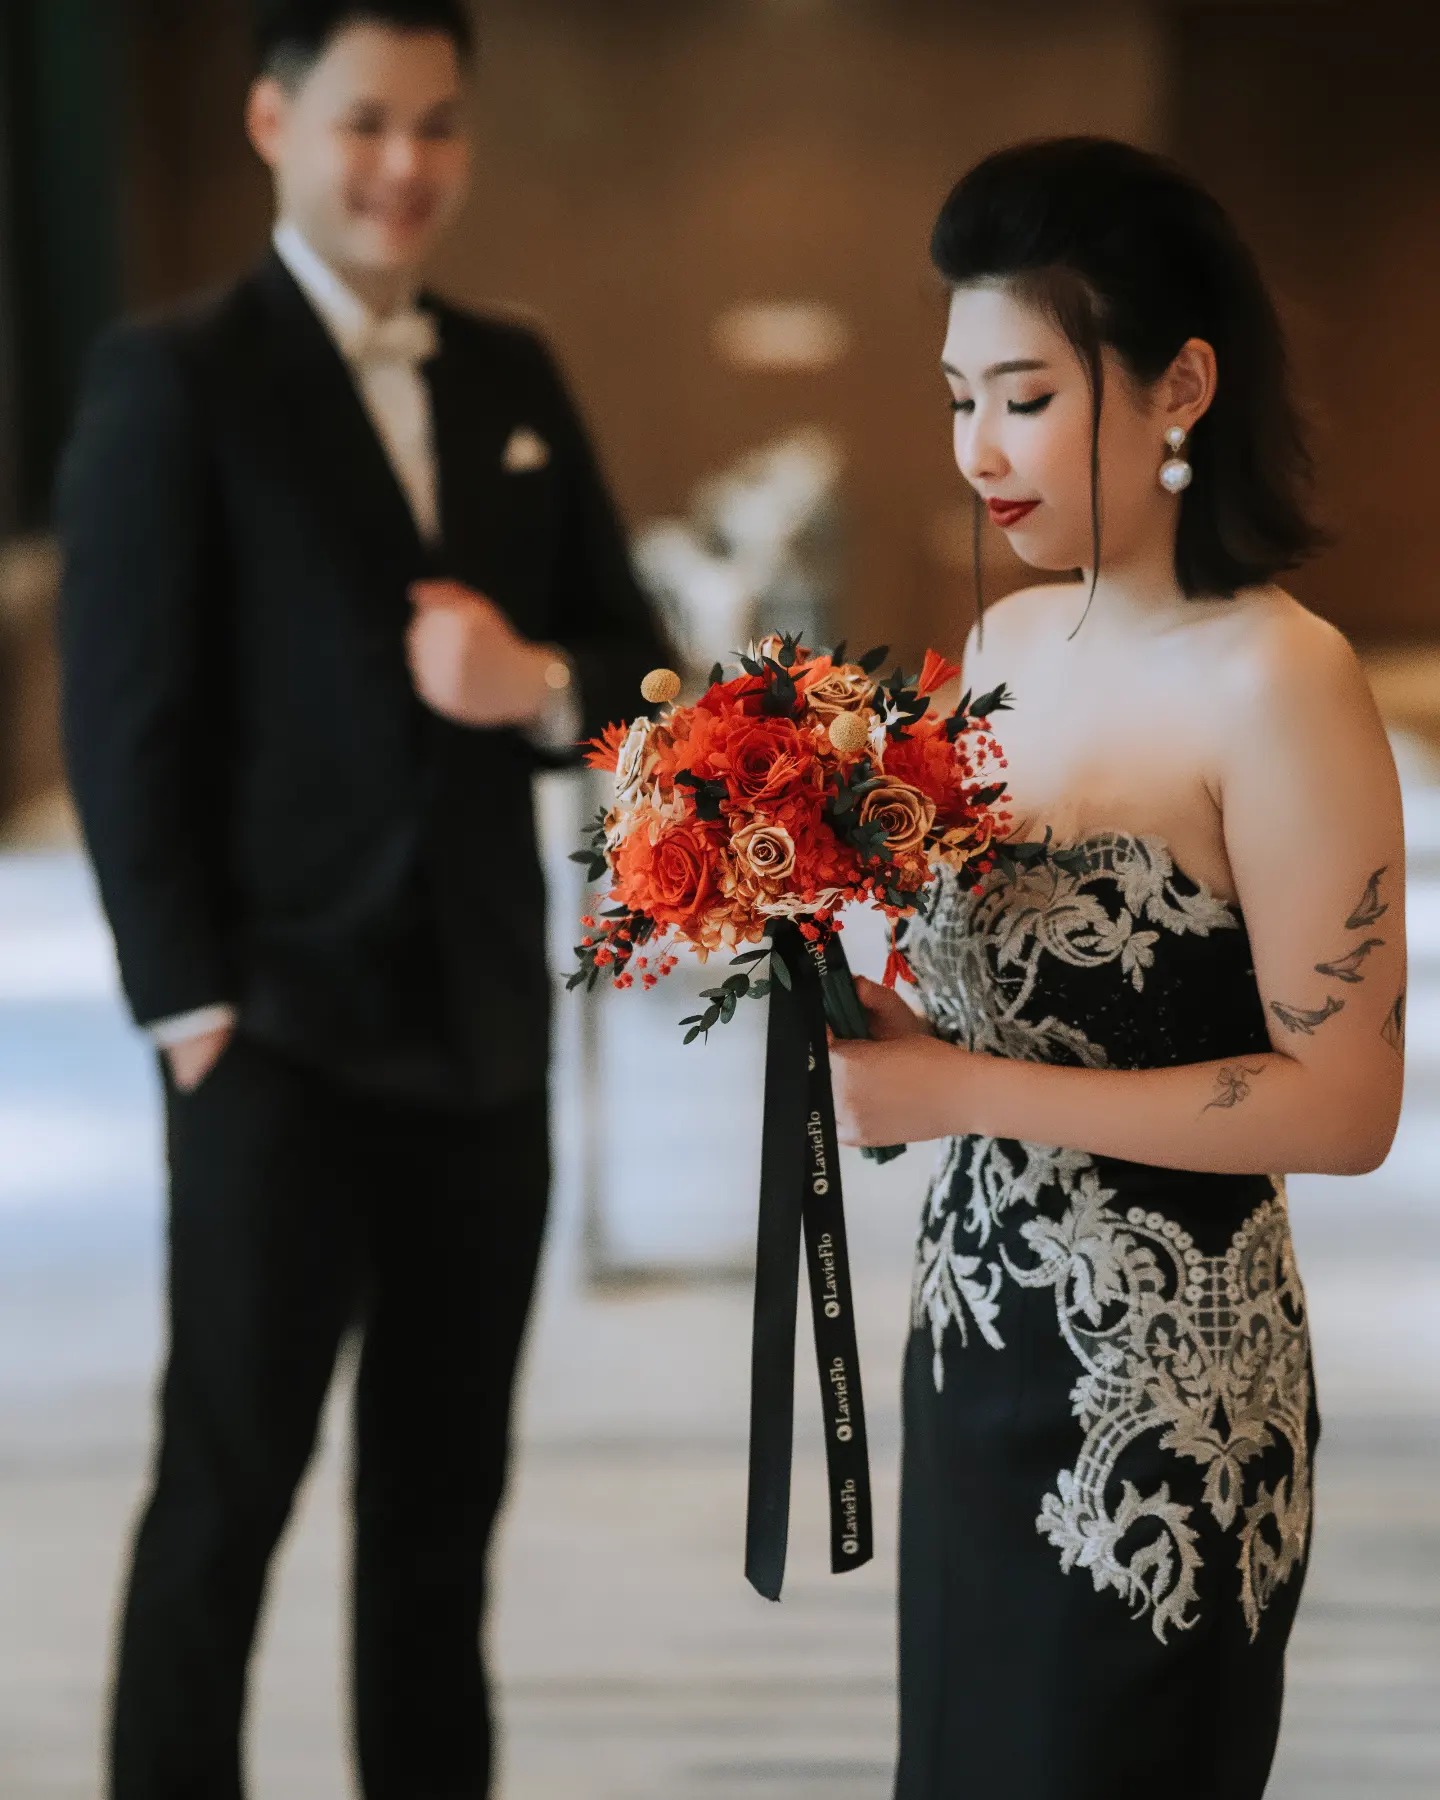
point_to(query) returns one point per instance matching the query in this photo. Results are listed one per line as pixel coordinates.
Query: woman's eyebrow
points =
(1019, 365)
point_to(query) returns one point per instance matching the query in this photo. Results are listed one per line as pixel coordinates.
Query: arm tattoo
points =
(1296, 1018)
(1393, 1030)
(1369, 907)
(1347, 968)
(1366, 910)
(1232, 1085)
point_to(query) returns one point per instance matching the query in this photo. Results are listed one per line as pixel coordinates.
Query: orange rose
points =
(743, 693)
(759, 759)
(674, 877)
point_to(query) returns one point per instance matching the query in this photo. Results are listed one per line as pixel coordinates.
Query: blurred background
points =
(718, 210)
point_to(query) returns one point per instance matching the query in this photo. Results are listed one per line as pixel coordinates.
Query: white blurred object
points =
(1416, 760)
(760, 551)
(54, 945)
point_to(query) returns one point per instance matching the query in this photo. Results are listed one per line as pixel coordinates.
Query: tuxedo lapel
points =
(492, 534)
(468, 409)
(337, 456)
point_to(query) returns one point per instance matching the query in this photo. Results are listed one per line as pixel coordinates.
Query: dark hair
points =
(292, 35)
(1122, 249)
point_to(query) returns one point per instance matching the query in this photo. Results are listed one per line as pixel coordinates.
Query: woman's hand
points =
(888, 1015)
(898, 1090)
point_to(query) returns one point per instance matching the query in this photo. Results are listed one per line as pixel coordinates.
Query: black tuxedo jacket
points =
(274, 818)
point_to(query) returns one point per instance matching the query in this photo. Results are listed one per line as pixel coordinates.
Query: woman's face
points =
(1023, 413)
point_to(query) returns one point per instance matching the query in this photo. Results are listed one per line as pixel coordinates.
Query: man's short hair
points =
(292, 35)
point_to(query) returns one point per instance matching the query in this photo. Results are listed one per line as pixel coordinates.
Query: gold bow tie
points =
(407, 337)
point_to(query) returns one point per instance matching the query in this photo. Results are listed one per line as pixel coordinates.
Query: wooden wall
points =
(1319, 127)
(643, 166)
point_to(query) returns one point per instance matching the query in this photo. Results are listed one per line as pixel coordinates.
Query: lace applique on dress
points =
(1204, 1354)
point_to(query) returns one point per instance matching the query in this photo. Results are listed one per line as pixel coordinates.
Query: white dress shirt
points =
(385, 357)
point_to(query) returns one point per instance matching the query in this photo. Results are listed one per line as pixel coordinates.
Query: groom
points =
(341, 573)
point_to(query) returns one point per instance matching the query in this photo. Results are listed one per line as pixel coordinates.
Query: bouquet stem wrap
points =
(801, 1199)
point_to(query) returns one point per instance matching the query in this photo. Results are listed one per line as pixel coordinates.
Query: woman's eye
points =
(1031, 406)
(961, 406)
(367, 124)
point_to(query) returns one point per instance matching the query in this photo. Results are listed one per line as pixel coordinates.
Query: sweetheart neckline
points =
(1149, 839)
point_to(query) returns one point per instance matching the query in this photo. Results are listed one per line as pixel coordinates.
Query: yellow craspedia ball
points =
(849, 733)
(661, 686)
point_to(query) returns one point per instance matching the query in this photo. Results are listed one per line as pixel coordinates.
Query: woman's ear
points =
(1187, 388)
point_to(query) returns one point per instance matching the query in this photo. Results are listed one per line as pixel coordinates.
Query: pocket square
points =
(525, 451)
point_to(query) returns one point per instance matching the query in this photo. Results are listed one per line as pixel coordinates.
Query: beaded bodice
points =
(1100, 953)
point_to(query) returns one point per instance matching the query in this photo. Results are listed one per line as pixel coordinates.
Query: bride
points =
(1184, 978)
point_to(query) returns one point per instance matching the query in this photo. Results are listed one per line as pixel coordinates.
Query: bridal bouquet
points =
(799, 786)
(745, 823)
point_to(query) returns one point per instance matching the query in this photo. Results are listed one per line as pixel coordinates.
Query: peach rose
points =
(846, 689)
(764, 854)
(906, 814)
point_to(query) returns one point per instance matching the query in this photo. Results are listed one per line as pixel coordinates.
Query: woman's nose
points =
(977, 453)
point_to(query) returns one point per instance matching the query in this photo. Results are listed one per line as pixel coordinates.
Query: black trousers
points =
(299, 1209)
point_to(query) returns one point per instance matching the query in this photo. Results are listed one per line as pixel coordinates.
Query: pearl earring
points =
(1175, 472)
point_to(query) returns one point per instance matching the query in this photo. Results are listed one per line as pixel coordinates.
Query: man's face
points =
(368, 148)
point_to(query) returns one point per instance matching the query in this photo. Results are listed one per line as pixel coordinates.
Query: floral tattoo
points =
(1232, 1085)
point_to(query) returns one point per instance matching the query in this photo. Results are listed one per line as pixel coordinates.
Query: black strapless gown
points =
(1109, 1403)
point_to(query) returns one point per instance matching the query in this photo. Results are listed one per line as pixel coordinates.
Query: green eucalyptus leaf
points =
(997, 700)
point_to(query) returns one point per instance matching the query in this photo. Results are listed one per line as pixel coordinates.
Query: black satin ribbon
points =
(801, 1200)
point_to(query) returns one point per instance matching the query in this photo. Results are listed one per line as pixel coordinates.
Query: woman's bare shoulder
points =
(1266, 640)
(1009, 626)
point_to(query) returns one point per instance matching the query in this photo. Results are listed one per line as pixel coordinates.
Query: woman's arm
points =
(1313, 831)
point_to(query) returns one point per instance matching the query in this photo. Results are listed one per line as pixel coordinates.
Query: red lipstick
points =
(1008, 513)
